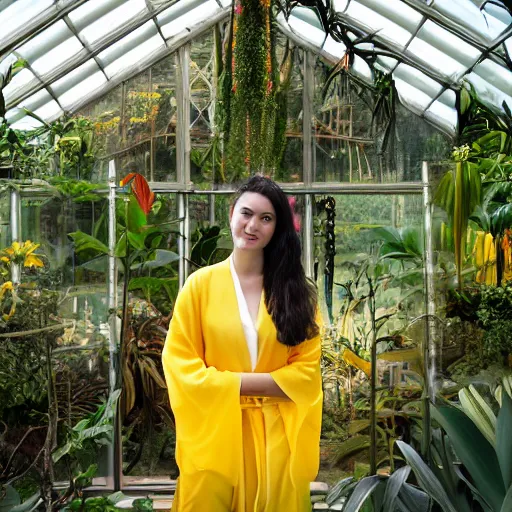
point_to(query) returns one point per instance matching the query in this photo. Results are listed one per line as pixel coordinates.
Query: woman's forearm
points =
(260, 384)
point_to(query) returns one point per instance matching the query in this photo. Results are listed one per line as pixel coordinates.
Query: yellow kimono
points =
(238, 454)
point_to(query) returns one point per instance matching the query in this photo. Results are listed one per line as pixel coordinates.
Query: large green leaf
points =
(84, 242)
(395, 482)
(29, 505)
(136, 216)
(475, 452)
(161, 258)
(9, 498)
(507, 502)
(444, 465)
(412, 499)
(360, 494)
(501, 219)
(459, 194)
(479, 411)
(340, 490)
(504, 440)
(426, 479)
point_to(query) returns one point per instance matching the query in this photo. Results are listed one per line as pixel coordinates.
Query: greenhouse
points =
(126, 128)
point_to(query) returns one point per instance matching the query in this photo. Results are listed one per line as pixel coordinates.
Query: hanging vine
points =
(251, 110)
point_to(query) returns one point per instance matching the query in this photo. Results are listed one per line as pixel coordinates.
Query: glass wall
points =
(369, 267)
(56, 403)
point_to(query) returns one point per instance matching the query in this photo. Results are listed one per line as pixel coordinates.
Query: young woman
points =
(242, 364)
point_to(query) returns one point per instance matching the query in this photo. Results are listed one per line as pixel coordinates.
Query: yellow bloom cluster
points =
(147, 117)
(22, 252)
(107, 125)
(141, 94)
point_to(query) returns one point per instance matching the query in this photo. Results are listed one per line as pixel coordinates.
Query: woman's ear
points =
(231, 209)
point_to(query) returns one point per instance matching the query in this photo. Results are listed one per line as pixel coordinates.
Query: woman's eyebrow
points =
(262, 213)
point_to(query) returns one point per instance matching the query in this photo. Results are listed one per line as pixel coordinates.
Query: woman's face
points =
(253, 221)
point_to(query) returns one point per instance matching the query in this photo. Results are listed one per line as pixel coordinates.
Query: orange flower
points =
(140, 187)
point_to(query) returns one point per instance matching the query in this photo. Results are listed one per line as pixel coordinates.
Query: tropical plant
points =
(490, 468)
(479, 190)
(483, 483)
(8, 69)
(145, 399)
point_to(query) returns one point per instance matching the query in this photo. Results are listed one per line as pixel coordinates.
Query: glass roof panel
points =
(336, 50)
(496, 26)
(50, 110)
(71, 87)
(310, 33)
(308, 15)
(37, 100)
(498, 13)
(496, 75)
(385, 64)
(138, 54)
(487, 92)
(19, 13)
(396, 11)
(175, 22)
(442, 116)
(387, 29)
(86, 86)
(361, 69)
(128, 43)
(415, 99)
(44, 42)
(464, 12)
(34, 103)
(448, 98)
(112, 20)
(178, 9)
(340, 5)
(90, 12)
(25, 123)
(448, 43)
(20, 80)
(435, 58)
(414, 77)
(57, 56)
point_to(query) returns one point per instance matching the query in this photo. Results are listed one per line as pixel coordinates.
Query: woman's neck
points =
(248, 263)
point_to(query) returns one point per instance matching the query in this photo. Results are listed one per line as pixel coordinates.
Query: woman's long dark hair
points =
(291, 299)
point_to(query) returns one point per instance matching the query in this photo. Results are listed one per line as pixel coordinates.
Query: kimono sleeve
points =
(204, 400)
(301, 380)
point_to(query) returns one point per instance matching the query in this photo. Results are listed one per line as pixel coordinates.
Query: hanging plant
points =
(248, 86)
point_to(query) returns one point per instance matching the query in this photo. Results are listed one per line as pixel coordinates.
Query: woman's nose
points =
(252, 225)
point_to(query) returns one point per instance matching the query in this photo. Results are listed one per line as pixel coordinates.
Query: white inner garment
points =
(250, 332)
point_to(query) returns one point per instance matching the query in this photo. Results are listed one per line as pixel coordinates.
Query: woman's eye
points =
(246, 214)
(267, 219)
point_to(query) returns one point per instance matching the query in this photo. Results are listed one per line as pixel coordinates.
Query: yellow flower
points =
(8, 286)
(22, 253)
(32, 260)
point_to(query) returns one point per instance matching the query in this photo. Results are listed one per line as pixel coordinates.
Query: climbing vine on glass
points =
(250, 140)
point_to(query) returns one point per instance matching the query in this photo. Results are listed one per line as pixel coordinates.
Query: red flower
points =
(140, 187)
(296, 219)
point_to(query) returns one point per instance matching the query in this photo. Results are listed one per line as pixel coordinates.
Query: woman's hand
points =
(260, 384)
